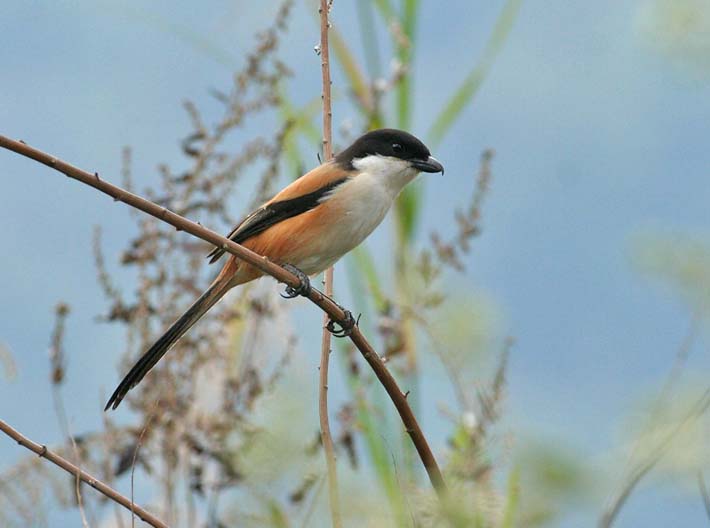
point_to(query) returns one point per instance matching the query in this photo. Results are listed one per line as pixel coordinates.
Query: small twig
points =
(77, 486)
(70, 468)
(635, 474)
(312, 506)
(645, 466)
(135, 458)
(704, 493)
(326, 436)
(681, 359)
(110, 436)
(57, 360)
(334, 311)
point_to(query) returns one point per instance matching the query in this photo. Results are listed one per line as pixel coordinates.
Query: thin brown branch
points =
(334, 311)
(70, 468)
(326, 436)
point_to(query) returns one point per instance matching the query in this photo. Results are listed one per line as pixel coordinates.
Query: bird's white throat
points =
(362, 203)
(391, 174)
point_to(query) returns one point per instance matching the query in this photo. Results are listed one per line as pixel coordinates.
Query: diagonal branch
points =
(82, 475)
(335, 312)
(326, 436)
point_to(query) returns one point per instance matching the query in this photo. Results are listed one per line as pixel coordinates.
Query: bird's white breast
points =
(366, 198)
(361, 203)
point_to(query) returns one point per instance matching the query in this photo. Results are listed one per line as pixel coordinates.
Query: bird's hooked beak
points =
(431, 164)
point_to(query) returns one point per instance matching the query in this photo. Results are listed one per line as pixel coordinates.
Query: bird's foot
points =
(304, 288)
(346, 325)
(338, 328)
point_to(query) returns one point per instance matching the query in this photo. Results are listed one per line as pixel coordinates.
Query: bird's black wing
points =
(273, 213)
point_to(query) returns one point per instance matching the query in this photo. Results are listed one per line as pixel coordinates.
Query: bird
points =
(307, 226)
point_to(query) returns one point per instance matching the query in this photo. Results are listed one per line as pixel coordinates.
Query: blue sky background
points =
(598, 112)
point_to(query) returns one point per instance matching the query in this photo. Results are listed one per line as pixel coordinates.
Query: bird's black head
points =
(392, 143)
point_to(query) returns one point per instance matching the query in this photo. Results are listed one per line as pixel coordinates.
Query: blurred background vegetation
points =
(225, 433)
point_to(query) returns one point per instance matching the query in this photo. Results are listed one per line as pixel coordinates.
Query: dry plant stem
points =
(133, 464)
(57, 361)
(64, 425)
(644, 467)
(335, 312)
(634, 474)
(704, 493)
(67, 466)
(326, 436)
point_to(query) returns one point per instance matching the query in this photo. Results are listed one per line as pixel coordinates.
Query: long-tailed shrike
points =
(309, 225)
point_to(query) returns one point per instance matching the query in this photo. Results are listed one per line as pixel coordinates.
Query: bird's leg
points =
(346, 326)
(304, 288)
(337, 328)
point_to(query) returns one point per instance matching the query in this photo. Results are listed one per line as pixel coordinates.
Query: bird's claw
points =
(338, 328)
(304, 288)
(346, 325)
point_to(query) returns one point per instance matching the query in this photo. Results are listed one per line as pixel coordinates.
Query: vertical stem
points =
(326, 437)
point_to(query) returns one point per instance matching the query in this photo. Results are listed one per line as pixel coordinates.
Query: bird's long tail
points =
(193, 314)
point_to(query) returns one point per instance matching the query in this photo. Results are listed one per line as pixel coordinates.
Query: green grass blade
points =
(303, 126)
(386, 10)
(405, 53)
(512, 499)
(357, 81)
(363, 261)
(302, 117)
(365, 287)
(468, 89)
(277, 517)
(368, 34)
(407, 212)
(371, 428)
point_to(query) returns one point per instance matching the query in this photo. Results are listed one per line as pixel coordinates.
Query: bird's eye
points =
(396, 147)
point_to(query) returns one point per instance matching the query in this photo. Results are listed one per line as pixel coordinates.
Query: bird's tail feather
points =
(193, 314)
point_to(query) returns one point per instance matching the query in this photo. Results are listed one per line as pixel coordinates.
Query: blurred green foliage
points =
(681, 262)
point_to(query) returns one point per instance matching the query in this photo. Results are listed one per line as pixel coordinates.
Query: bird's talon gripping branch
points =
(346, 325)
(302, 289)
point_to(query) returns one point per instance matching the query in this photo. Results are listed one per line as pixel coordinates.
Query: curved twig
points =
(82, 475)
(335, 312)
